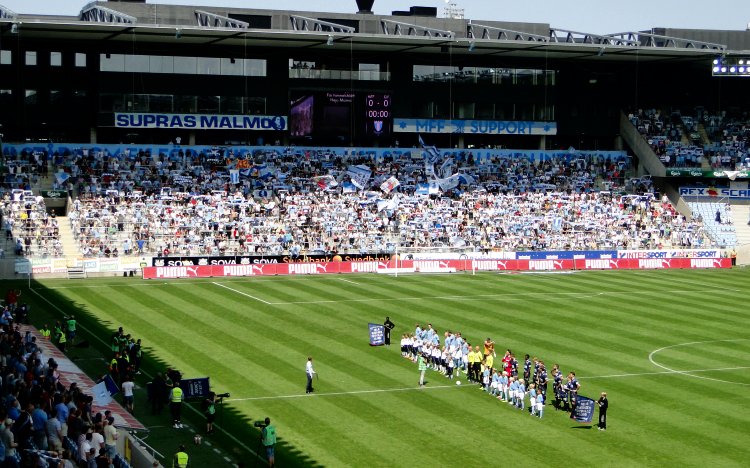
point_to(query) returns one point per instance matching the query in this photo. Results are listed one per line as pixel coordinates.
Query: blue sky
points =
(594, 16)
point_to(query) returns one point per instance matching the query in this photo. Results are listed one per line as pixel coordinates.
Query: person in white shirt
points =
(127, 393)
(310, 373)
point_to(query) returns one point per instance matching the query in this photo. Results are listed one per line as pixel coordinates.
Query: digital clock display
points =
(378, 115)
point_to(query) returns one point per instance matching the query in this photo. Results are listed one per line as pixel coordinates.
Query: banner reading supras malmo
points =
(201, 121)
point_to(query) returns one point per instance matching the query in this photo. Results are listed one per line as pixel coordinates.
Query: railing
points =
(315, 74)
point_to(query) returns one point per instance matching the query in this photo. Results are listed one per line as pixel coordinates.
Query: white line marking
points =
(217, 450)
(405, 389)
(687, 373)
(611, 376)
(352, 282)
(98, 338)
(356, 392)
(240, 292)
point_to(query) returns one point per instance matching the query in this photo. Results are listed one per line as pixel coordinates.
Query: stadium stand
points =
(25, 219)
(692, 138)
(184, 204)
(717, 222)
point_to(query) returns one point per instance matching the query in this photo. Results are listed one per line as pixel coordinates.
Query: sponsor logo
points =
(305, 268)
(432, 265)
(654, 263)
(176, 272)
(544, 264)
(242, 270)
(599, 264)
(705, 263)
(365, 267)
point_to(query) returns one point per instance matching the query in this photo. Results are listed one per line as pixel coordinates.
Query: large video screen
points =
(342, 116)
(301, 117)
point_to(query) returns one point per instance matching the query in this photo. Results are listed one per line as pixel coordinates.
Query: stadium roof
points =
(228, 27)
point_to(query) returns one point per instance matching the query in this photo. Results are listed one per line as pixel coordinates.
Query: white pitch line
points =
(612, 376)
(404, 389)
(687, 373)
(352, 282)
(242, 293)
(356, 392)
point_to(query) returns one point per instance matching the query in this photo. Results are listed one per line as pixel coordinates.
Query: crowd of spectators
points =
(678, 142)
(45, 423)
(189, 203)
(26, 222)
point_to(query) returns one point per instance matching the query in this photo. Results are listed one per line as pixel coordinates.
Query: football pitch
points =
(671, 349)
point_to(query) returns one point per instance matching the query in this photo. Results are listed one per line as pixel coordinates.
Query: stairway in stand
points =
(740, 218)
(69, 243)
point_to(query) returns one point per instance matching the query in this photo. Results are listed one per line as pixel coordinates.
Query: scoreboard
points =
(378, 115)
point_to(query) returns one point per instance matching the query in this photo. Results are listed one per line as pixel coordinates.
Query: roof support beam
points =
(99, 14)
(7, 13)
(212, 20)
(397, 28)
(303, 23)
(480, 31)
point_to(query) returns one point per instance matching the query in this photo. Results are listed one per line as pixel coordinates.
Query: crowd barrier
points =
(395, 266)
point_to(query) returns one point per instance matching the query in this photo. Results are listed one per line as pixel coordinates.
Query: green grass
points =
(253, 340)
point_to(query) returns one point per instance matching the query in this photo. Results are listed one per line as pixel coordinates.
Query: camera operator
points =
(209, 409)
(268, 438)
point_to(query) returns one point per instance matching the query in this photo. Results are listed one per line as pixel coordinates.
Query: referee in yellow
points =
(180, 458)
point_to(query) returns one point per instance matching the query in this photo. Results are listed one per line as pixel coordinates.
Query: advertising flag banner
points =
(584, 412)
(377, 334)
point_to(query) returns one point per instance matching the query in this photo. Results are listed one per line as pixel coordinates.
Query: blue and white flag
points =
(433, 155)
(446, 169)
(61, 177)
(359, 175)
(348, 187)
(101, 394)
(427, 189)
(234, 176)
(449, 182)
(466, 179)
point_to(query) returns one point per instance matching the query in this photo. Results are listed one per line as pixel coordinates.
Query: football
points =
(458, 382)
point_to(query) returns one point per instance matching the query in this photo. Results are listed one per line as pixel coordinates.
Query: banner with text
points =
(477, 127)
(584, 412)
(717, 193)
(377, 334)
(201, 121)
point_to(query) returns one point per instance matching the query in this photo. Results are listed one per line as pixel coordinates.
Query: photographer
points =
(268, 438)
